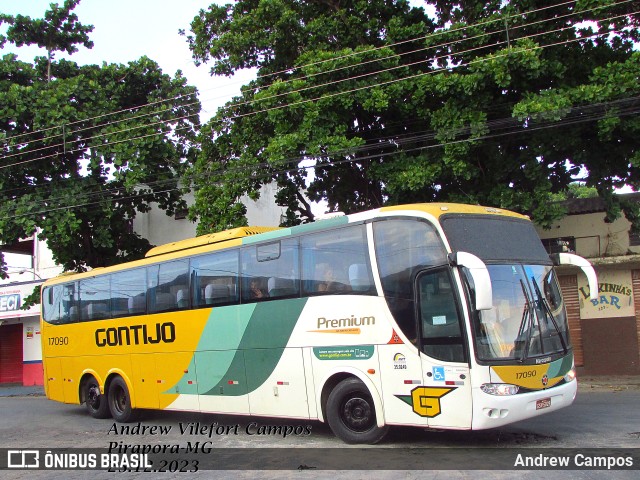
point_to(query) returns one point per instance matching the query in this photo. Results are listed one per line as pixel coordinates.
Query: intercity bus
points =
(431, 315)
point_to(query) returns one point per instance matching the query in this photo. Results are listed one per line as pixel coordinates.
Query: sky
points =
(125, 30)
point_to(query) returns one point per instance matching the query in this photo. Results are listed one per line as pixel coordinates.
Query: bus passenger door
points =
(445, 397)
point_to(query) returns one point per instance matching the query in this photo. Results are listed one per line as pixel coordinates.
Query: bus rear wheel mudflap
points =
(351, 413)
(95, 403)
(119, 401)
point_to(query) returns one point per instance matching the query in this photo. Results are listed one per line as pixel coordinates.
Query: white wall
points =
(31, 346)
(159, 228)
(594, 237)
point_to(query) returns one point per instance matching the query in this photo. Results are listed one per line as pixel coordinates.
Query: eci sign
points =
(10, 303)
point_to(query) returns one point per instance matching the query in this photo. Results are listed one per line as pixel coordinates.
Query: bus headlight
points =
(570, 376)
(500, 389)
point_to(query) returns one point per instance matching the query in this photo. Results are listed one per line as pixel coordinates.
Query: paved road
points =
(597, 419)
(601, 417)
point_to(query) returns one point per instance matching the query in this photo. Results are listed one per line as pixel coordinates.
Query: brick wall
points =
(569, 287)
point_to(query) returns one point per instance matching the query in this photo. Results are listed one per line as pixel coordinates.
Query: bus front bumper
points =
(490, 411)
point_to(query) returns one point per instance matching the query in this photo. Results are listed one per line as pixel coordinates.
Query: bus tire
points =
(120, 401)
(95, 403)
(351, 413)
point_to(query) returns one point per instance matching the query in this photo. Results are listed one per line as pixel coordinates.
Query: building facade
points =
(605, 332)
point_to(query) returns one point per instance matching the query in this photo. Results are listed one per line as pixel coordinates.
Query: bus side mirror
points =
(585, 266)
(479, 274)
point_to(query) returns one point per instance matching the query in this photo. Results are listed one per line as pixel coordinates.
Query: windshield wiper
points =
(526, 313)
(548, 313)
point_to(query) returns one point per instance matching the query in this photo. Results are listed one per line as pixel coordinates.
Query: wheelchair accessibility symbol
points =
(438, 374)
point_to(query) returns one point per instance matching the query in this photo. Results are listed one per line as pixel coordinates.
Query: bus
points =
(437, 316)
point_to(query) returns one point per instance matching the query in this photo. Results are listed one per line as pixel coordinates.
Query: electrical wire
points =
(344, 92)
(502, 18)
(267, 175)
(410, 77)
(374, 146)
(375, 143)
(427, 60)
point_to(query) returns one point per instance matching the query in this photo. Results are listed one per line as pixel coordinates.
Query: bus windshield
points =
(528, 318)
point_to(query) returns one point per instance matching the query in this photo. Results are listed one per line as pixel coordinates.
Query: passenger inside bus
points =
(255, 289)
(329, 282)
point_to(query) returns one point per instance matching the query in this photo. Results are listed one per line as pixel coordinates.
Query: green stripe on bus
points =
(305, 228)
(320, 225)
(249, 341)
(560, 367)
(274, 235)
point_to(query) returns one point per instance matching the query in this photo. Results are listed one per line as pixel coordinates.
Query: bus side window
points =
(54, 305)
(214, 279)
(70, 309)
(129, 293)
(270, 271)
(440, 321)
(49, 311)
(95, 296)
(168, 284)
(336, 262)
(403, 248)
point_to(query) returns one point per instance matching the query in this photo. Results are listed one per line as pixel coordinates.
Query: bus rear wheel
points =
(120, 401)
(95, 403)
(351, 413)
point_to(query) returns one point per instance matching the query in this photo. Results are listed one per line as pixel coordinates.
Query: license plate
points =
(543, 403)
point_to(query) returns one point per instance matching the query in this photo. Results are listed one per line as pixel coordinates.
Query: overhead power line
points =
(173, 120)
(410, 77)
(409, 139)
(372, 146)
(432, 35)
(583, 114)
(431, 47)
(411, 40)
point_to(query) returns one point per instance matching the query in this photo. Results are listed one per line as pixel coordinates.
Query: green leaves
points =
(58, 31)
(495, 103)
(318, 101)
(83, 153)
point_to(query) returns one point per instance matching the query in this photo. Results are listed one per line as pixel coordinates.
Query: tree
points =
(576, 190)
(58, 31)
(498, 103)
(84, 151)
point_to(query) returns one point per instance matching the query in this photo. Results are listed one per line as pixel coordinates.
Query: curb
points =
(22, 391)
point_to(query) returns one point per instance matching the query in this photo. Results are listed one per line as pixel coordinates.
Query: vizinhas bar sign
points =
(615, 295)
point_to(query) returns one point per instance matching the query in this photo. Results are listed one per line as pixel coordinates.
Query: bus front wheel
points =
(120, 401)
(351, 413)
(95, 402)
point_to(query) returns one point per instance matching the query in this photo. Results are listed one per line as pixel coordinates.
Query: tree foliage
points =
(497, 103)
(58, 31)
(575, 190)
(83, 153)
